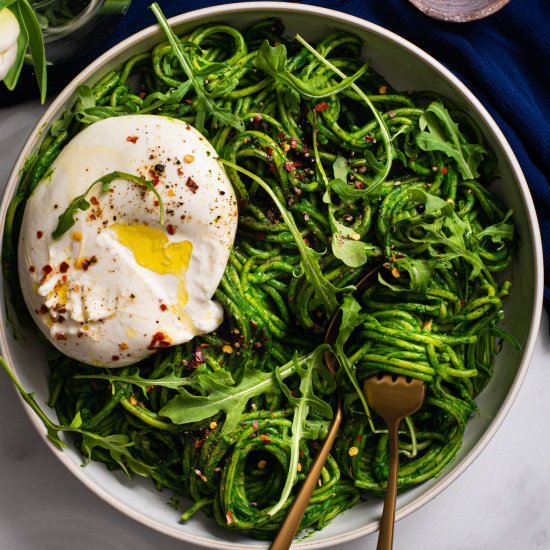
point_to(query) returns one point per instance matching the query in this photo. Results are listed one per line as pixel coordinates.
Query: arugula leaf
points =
(66, 219)
(350, 321)
(170, 380)
(220, 397)
(420, 271)
(324, 290)
(116, 444)
(499, 231)
(443, 135)
(205, 103)
(272, 60)
(308, 403)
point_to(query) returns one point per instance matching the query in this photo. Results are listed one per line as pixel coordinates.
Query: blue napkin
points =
(504, 59)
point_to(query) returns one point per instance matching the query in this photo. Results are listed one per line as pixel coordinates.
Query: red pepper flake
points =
(462, 302)
(63, 267)
(149, 389)
(32, 269)
(302, 453)
(320, 107)
(444, 170)
(133, 139)
(272, 168)
(43, 309)
(94, 201)
(171, 229)
(60, 336)
(229, 517)
(192, 185)
(253, 324)
(180, 172)
(39, 234)
(159, 340)
(163, 307)
(199, 355)
(257, 119)
(115, 357)
(47, 269)
(369, 138)
(359, 437)
(269, 150)
(156, 202)
(264, 439)
(289, 166)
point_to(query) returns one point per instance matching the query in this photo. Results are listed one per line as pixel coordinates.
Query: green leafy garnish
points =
(219, 396)
(443, 135)
(272, 60)
(116, 444)
(66, 219)
(310, 370)
(205, 102)
(324, 291)
(350, 321)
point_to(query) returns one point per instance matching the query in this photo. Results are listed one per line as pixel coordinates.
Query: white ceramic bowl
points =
(406, 67)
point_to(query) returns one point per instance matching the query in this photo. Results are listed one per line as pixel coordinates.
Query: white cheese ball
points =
(118, 285)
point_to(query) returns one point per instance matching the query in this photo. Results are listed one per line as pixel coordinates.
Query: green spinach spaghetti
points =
(335, 172)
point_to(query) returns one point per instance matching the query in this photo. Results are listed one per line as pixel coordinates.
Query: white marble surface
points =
(501, 502)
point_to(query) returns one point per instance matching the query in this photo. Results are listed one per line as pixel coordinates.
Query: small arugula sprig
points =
(29, 39)
(324, 291)
(116, 444)
(391, 152)
(444, 135)
(66, 219)
(221, 396)
(272, 60)
(205, 102)
(313, 373)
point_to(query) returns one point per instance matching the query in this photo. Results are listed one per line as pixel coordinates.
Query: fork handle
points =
(385, 537)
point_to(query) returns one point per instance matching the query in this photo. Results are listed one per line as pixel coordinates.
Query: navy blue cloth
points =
(504, 59)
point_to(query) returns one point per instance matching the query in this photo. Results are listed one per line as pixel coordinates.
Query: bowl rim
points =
(335, 16)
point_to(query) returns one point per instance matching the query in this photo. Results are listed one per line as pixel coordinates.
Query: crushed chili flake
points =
(149, 389)
(39, 234)
(192, 185)
(156, 203)
(199, 355)
(444, 170)
(229, 517)
(159, 340)
(320, 107)
(64, 267)
(269, 150)
(132, 139)
(43, 309)
(180, 172)
(264, 439)
(47, 269)
(171, 229)
(94, 201)
(163, 307)
(359, 185)
(369, 138)
(123, 345)
(60, 336)
(32, 269)
(115, 358)
(462, 302)
(359, 437)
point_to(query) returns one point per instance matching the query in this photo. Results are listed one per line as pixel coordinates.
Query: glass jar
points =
(72, 28)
